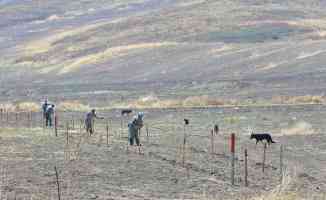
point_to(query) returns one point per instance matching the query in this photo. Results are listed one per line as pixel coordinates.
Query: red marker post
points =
(232, 148)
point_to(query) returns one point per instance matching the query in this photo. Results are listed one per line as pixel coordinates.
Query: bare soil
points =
(90, 169)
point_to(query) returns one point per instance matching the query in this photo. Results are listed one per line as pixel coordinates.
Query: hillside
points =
(232, 49)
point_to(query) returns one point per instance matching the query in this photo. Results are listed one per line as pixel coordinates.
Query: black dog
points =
(126, 111)
(261, 137)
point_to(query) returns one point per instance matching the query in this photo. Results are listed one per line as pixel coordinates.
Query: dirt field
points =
(88, 168)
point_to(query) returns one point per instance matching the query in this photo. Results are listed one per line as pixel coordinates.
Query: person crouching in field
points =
(89, 121)
(134, 128)
(49, 113)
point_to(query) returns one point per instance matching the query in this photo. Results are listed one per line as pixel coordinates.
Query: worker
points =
(44, 107)
(49, 113)
(89, 121)
(134, 128)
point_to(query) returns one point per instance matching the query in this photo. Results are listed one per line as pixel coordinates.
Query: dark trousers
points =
(134, 137)
(90, 130)
(48, 120)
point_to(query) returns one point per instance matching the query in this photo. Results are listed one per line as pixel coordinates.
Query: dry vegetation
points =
(20, 107)
(152, 101)
(87, 166)
(72, 106)
(307, 99)
(299, 128)
(207, 101)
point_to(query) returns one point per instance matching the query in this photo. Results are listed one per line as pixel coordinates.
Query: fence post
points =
(56, 125)
(43, 120)
(184, 144)
(212, 143)
(58, 184)
(67, 132)
(16, 118)
(81, 126)
(107, 133)
(7, 116)
(31, 119)
(233, 157)
(121, 124)
(264, 157)
(246, 168)
(281, 163)
(147, 134)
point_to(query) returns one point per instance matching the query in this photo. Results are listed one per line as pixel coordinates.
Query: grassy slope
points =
(234, 49)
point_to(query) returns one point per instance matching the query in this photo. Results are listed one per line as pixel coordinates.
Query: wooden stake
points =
(107, 134)
(233, 157)
(43, 120)
(147, 134)
(184, 145)
(281, 163)
(31, 119)
(212, 142)
(264, 157)
(58, 184)
(16, 118)
(121, 131)
(81, 126)
(246, 168)
(67, 132)
(56, 125)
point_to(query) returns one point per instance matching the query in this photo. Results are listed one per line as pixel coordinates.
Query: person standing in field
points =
(49, 113)
(89, 121)
(44, 107)
(134, 128)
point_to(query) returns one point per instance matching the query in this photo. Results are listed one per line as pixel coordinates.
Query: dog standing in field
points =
(261, 137)
(126, 112)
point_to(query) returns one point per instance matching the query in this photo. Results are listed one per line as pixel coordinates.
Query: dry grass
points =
(7, 107)
(72, 106)
(309, 23)
(299, 128)
(280, 192)
(45, 44)
(307, 99)
(192, 101)
(151, 101)
(111, 53)
(283, 190)
(28, 106)
(20, 107)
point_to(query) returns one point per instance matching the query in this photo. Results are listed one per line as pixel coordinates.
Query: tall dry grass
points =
(20, 107)
(192, 101)
(298, 128)
(28, 106)
(283, 190)
(152, 101)
(72, 106)
(306, 99)
(7, 107)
